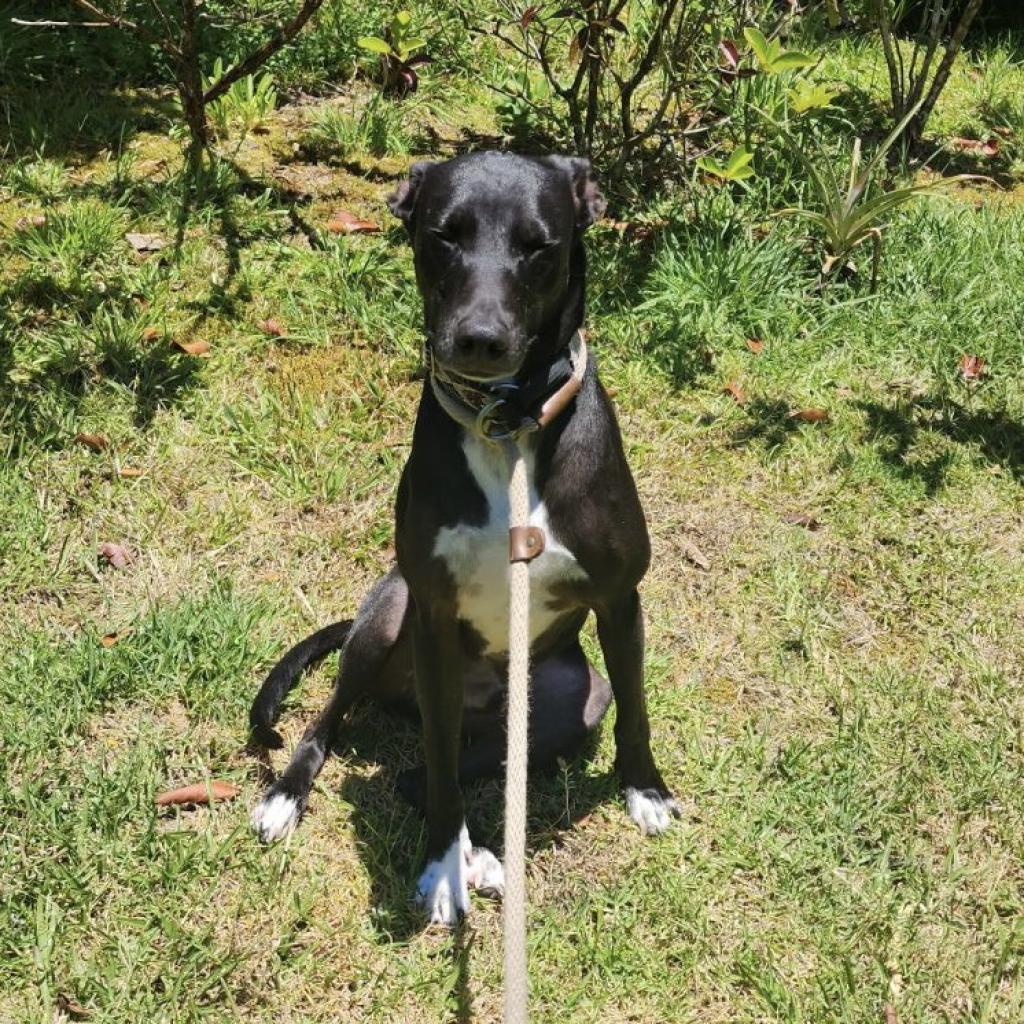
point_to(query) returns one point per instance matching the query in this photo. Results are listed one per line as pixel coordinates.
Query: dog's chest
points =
(477, 557)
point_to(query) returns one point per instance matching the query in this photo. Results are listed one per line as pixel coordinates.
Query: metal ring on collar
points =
(485, 422)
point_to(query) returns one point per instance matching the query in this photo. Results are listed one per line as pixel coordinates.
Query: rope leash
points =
(525, 543)
(516, 760)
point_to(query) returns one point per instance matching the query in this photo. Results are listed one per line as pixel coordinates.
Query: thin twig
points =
(61, 24)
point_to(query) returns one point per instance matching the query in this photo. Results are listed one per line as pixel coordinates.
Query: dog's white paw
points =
(443, 889)
(652, 811)
(484, 873)
(275, 816)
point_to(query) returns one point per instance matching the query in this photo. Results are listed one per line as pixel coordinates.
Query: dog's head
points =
(499, 258)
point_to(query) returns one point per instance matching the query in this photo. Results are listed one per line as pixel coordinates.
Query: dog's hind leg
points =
(370, 645)
(568, 699)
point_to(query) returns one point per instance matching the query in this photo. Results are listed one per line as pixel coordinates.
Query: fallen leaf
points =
(35, 221)
(528, 15)
(271, 327)
(150, 333)
(144, 243)
(972, 367)
(983, 147)
(116, 555)
(97, 442)
(109, 639)
(693, 554)
(809, 415)
(130, 472)
(806, 521)
(890, 1014)
(344, 222)
(193, 348)
(756, 345)
(200, 793)
(71, 1006)
(733, 388)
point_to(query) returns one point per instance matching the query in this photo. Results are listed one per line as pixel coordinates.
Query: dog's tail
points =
(264, 711)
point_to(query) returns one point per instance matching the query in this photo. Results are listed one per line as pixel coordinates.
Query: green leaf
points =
(413, 43)
(374, 44)
(740, 161)
(759, 45)
(791, 60)
(808, 96)
(402, 18)
(737, 169)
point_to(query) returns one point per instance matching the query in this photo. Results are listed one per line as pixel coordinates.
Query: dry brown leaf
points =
(271, 327)
(193, 348)
(890, 1014)
(756, 345)
(200, 793)
(809, 415)
(801, 519)
(150, 333)
(693, 554)
(733, 388)
(35, 221)
(130, 472)
(71, 1006)
(983, 147)
(972, 367)
(109, 639)
(344, 222)
(116, 555)
(97, 442)
(144, 243)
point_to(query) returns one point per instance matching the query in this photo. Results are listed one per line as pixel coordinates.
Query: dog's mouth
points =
(468, 376)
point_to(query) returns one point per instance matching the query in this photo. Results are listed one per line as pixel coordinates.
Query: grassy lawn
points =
(836, 698)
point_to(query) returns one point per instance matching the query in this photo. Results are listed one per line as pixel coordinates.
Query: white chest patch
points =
(477, 556)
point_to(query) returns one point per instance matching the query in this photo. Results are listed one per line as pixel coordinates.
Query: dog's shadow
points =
(390, 832)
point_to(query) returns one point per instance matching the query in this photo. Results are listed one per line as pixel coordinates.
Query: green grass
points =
(839, 710)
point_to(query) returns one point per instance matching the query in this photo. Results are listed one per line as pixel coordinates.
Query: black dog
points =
(500, 265)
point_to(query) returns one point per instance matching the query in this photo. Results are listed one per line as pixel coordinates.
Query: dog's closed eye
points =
(537, 244)
(447, 235)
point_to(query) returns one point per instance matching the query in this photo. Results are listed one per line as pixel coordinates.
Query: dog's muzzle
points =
(505, 409)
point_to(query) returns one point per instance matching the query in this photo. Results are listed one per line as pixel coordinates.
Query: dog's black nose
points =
(481, 344)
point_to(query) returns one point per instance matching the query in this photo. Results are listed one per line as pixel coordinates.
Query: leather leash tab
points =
(524, 543)
(559, 400)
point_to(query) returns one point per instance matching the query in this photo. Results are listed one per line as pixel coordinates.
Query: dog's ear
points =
(586, 194)
(402, 202)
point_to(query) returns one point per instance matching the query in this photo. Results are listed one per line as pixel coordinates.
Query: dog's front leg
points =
(620, 628)
(443, 887)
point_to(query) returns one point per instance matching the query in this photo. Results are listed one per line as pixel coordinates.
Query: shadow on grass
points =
(390, 831)
(69, 119)
(899, 429)
(42, 412)
(768, 421)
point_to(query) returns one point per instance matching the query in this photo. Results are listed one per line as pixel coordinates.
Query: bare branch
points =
(117, 21)
(61, 24)
(257, 58)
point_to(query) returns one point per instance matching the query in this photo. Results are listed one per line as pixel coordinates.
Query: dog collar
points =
(506, 409)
